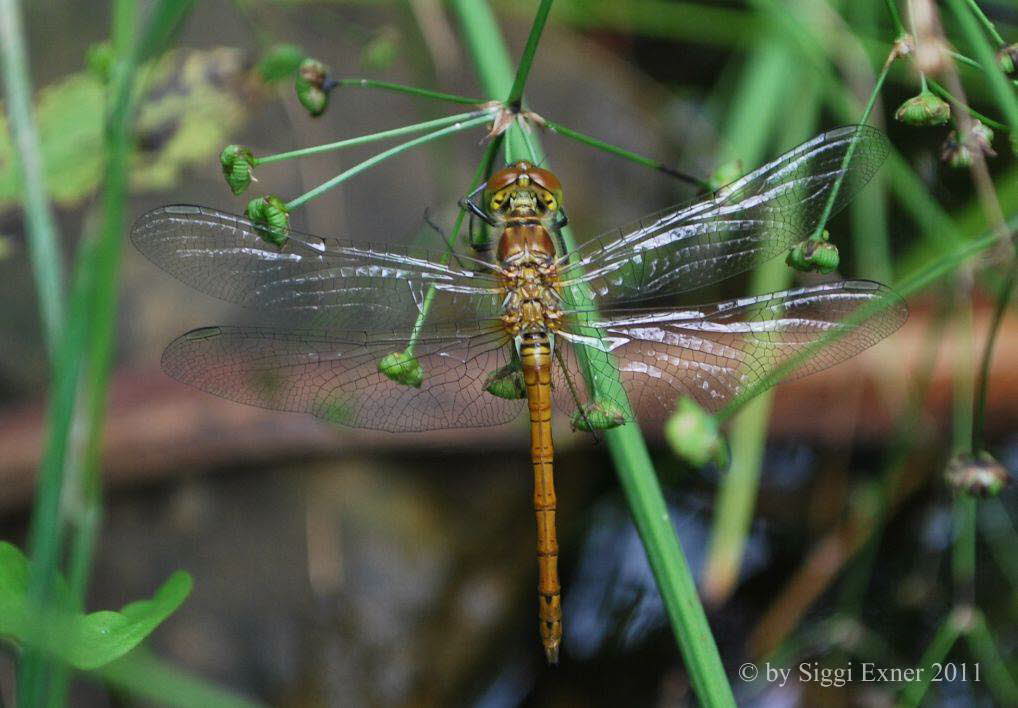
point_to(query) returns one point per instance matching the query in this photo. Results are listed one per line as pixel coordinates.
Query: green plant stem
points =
(764, 89)
(984, 651)
(593, 142)
(963, 550)
(985, 22)
(983, 385)
(382, 156)
(902, 446)
(962, 59)
(999, 84)
(963, 388)
(429, 297)
(515, 99)
(625, 443)
(491, 62)
(829, 206)
(43, 241)
(947, 634)
(892, 10)
(946, 95)
(371, 138)
(69, 480)
(409, 90)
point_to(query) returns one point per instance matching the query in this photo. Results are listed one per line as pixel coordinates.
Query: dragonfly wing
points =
(714, 353)
(751, 220)
(336, 376)
(321, 282)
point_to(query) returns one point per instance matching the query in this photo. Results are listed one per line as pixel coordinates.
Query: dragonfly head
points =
(523, 186)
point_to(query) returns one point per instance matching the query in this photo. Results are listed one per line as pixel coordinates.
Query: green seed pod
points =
(272, 217)
(237, 163)
(403, 368)
(978, 476)
(597, 416)
(824, 257)
(313, 86)
(280, 62)
(817, 255)
(925, 109)
(694, 435)
(955, 153)
(507, 383)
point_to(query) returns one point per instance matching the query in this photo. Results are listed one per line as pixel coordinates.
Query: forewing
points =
(715, 353)
(751, 220)
(321, 282)
(335, 376)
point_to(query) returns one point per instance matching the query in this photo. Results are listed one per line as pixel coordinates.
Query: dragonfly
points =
(398, 338)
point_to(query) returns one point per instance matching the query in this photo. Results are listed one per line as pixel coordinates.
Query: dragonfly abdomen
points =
(535, 356)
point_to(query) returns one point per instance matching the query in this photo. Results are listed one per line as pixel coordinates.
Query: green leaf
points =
(85, 641)
(193, 102)
(280, 62)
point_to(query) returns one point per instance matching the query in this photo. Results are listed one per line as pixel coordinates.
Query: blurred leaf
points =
(69, 115)
(280, 63)
(383, 49)
(187, 117)
(86, 641)
(194, 101)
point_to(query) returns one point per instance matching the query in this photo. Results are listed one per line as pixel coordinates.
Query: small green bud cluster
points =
(957, 152)
(814, 255)
(976, 475)
(237, 163)
(507, 383)
(694, 435)
(313, 86)
(1007, 57)
(923, 110)
(403, 368)
(271, 217)
(597, 416)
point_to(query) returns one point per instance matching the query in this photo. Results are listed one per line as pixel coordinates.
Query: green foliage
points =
(192, 106)
(85, 641)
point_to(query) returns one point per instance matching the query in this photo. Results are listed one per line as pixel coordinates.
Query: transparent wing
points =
(335, 376)
(716, 352)
(751, 220)
(320, 282)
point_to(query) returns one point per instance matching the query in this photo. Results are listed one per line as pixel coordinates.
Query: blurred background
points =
(340, 567)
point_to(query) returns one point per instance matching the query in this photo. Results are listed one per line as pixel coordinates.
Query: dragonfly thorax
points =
(531, 303)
